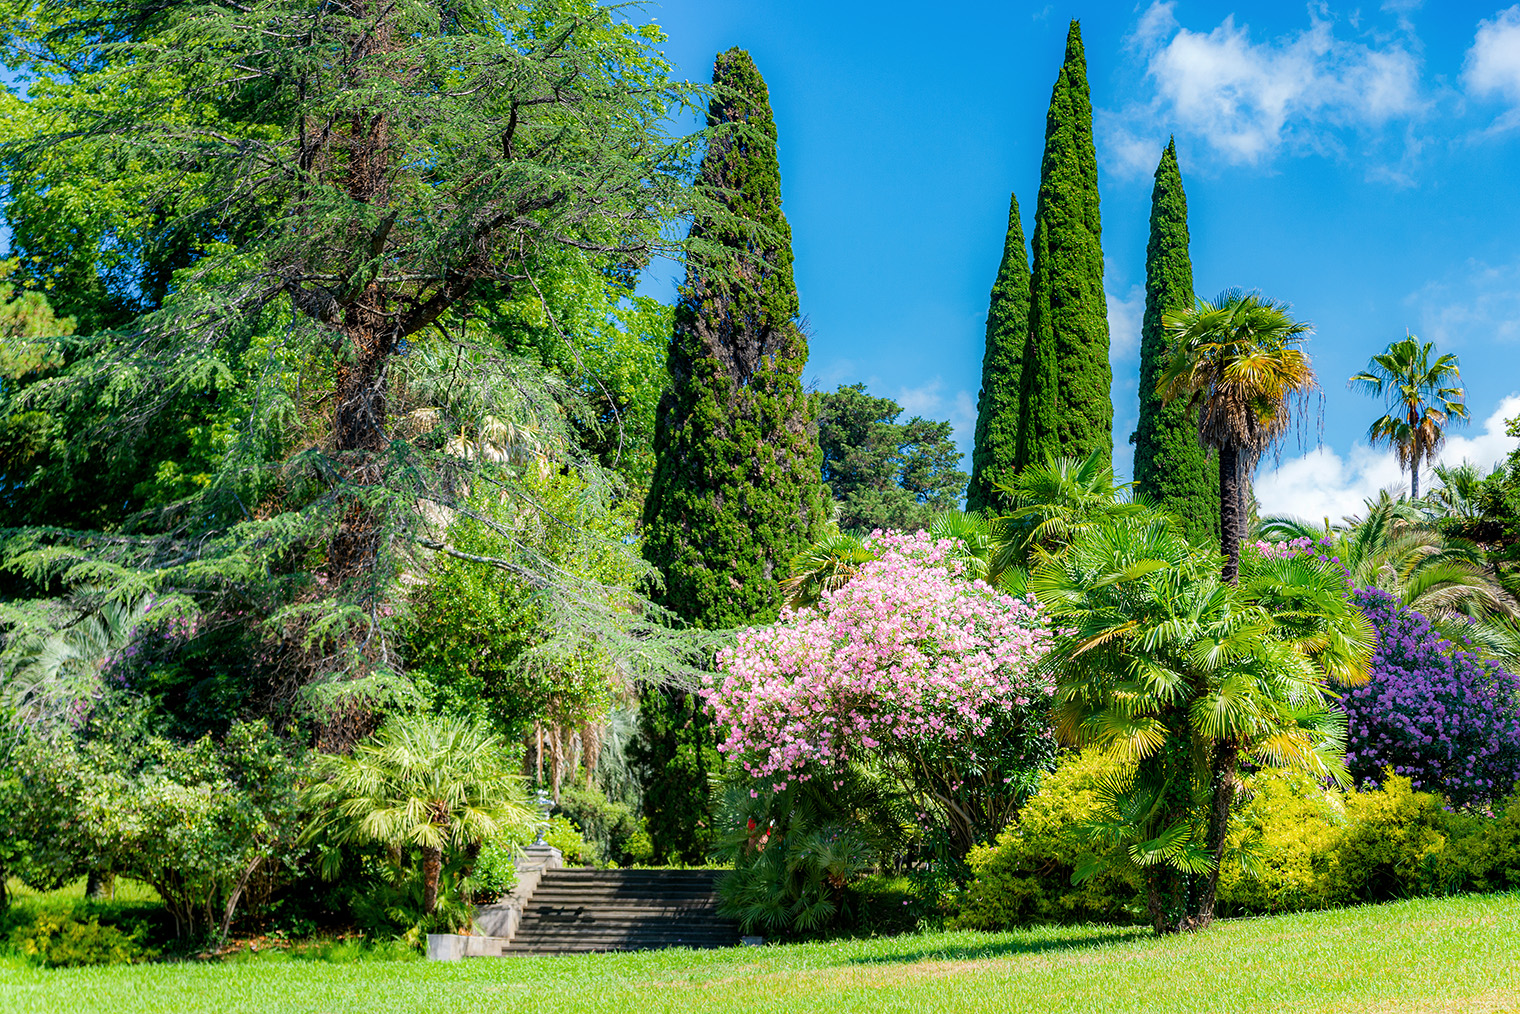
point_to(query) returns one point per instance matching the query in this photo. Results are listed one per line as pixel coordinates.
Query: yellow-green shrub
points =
(1281, 846)
(1025, 876)
(1394, 846)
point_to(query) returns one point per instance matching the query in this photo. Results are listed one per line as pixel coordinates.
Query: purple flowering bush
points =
(1432, 711)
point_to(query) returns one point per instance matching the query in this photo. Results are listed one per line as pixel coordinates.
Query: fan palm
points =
(1180, 676)
(44, 676)
(1392, 546)
(1422, 397)
(1238, 361)
(1054, 503)
(433, 782)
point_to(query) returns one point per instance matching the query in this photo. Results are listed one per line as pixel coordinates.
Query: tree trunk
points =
(1414, 467)
(236, 896)
(432, 867)
(1231, 521)
(1224, 772)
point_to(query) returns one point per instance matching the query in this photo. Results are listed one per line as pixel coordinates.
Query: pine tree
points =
(1170, 465)
(737, 489)
(1067, 408)
(997, 407)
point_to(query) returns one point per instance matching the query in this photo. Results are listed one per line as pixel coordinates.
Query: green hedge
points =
(1294, 845)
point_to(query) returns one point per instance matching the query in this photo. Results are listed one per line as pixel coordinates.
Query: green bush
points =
(1394, 846)
(640, 846)
(606, 825)
(800, 854)
(494, 872)
(565, 836)
(56, 940)
(1026, 875)
(1282, 845)
(1293, 845)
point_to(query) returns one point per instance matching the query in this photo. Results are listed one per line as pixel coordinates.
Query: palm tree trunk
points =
(1224, 771)
(432, 867)
(1231, 519)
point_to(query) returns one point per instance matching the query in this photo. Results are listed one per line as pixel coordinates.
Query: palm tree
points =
(1181, 675)
(1055, 502)
(1238, 361)
(1394, 547)
(434, 782)
(44, 677)
(1422, 396)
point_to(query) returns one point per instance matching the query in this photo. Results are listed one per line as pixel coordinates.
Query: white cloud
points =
(1479, 305)
(932, 401)
(1322, 484)
(1125, 315)
(1247, 99)
(1493, 62)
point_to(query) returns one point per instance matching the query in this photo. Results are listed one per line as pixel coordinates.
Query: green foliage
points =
(675, 758)
(494, 871)
(737, 489)
(882, 473)
(263, 451)
(195, 821)
(440, 784)
(1393, 846)
(1066, 409)
(608, 825)
(798, 853)
(1283, 842)
(482, 642)
(1025, 877)
(1423, 397)
(58, 941)
(1182, 676)
(1239, 362)
(998, 405)
(1171, 468)
(563, 834)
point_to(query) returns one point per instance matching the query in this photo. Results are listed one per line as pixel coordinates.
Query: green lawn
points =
(1450, 955)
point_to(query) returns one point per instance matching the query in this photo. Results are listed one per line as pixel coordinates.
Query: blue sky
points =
(1357, 162)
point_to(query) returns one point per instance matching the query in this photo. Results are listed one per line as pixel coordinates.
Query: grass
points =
(1449, 955)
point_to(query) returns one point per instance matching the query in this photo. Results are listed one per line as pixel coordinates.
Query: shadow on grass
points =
(1100, 936)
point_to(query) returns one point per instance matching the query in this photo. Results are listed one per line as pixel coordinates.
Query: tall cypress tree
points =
(1171, 466)
(997, 407)
(1068, 410)
(737, 489)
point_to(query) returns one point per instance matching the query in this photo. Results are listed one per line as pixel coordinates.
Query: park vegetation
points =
(362, 522)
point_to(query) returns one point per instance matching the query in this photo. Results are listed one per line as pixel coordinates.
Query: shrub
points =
(800, 854)
(1282, 845)
(930, 675)
(494, 871)
(56, 940)
(1026, 875)
(640, 845)
(1432, 711)
(1394, 845)
(606, 825)
(565, 836)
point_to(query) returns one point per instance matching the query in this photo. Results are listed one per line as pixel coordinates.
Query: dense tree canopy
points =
(880, 472)
(1067, 410)
(323, 371)
(1171, 466)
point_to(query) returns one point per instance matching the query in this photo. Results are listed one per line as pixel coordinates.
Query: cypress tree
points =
(737, 489)
(997, 407)
(1067, 408)
(1171, 466)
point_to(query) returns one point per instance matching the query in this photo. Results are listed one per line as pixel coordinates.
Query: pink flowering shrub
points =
(912, 667)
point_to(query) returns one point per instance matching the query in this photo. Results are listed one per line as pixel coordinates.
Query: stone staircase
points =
(574, 910)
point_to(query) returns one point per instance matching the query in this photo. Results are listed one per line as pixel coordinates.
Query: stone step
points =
(575, 911)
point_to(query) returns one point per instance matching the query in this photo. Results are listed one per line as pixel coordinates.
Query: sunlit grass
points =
(1459, 954)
